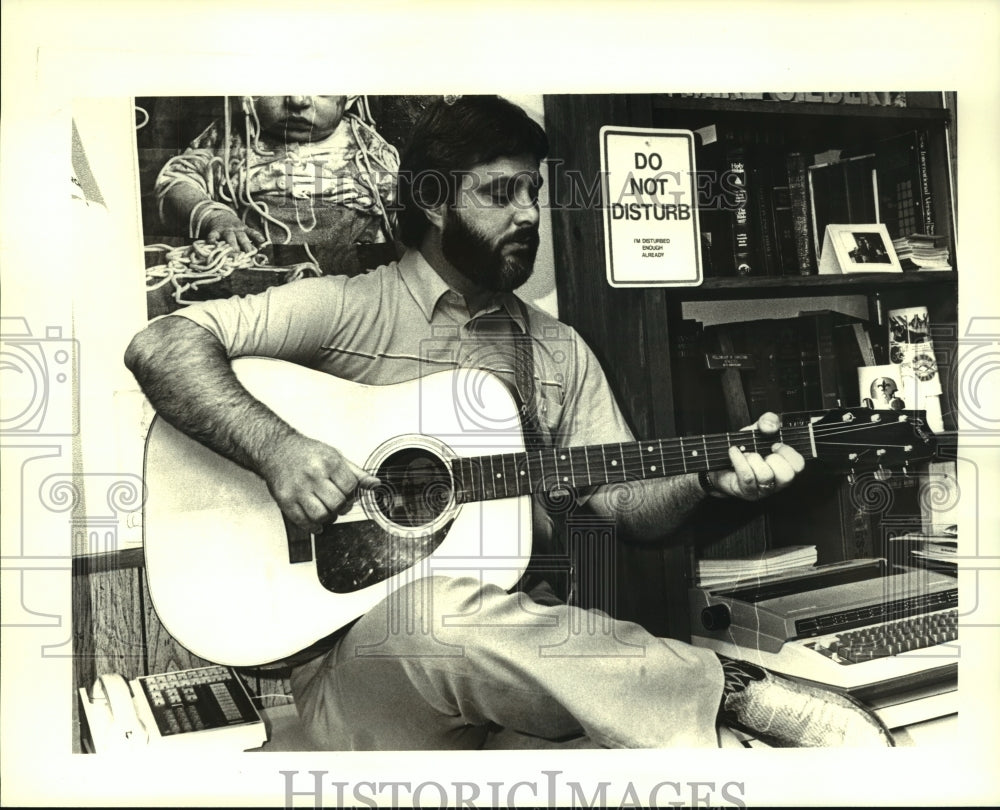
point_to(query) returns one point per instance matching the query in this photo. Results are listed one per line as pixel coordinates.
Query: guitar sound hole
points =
(416, 487)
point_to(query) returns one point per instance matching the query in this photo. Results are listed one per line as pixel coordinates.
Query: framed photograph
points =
(858, 249)
(881, 387)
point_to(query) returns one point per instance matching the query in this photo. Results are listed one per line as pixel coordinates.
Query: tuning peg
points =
(876, 417)
(847, 417)
(903, 418)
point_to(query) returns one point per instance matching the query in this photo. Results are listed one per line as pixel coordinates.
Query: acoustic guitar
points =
(237, 584)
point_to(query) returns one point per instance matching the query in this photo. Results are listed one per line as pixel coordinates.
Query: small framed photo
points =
(881, 387)
(858, 249)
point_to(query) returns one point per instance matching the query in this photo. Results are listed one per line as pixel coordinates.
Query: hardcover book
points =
(799, 199)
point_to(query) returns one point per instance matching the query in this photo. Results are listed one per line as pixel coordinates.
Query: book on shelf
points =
(735, 182)
(713, 216)
(735, 175)
(764, 233)
(786, 365)
(693, 403)
(900, 184)
(829, 367)
(723, 215)
(711, 572)
(783, 224)
(843, 192)
(926, 191)
(797, 166)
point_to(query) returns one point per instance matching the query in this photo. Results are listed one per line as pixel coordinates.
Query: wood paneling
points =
(626, 328)
(116, 629)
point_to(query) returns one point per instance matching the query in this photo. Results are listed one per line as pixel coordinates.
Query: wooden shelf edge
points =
(761, 286)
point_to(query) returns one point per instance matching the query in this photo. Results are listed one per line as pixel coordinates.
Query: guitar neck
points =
(482, 478)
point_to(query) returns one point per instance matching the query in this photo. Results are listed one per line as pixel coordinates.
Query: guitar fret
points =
(509, 479)
(459, 478)
(581, 472)
(732, 443)
(469, 476)
(704, 444)
(566, 480)
(557, 479)
(494, 477)
(650, 470)
(586, 459)
(678, 452)
(499, 477)
(463, 485)
(621, 453)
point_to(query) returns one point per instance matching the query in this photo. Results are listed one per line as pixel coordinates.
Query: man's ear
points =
(436, 215)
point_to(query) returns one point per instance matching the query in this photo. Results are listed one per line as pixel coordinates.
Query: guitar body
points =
(218, 550)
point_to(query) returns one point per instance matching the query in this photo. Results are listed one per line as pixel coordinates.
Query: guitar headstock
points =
(858, 439)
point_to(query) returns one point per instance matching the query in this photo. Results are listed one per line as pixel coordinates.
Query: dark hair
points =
(453, 136)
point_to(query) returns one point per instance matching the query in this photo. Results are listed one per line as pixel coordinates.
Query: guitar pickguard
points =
(354, 556)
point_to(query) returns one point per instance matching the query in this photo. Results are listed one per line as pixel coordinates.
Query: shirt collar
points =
(427, 287)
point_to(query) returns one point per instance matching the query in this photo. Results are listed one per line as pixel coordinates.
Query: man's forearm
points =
(186, 375)
(646, 510)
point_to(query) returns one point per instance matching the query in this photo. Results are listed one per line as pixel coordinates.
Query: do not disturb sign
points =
(651, 236)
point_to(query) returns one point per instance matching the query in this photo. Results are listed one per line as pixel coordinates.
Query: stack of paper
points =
(772, 561)
(921, 252)
(938, 545)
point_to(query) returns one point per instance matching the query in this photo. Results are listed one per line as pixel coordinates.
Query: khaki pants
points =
(443, 661)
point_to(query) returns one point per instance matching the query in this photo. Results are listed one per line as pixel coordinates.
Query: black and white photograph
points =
(862, 248)
(340, 469)
(868, 248)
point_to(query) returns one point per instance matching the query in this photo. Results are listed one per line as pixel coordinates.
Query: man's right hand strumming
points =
(312, 482)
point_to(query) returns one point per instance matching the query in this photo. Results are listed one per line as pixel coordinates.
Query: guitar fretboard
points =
(508, 475)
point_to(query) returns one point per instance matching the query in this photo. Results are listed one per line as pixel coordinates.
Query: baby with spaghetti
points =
(307, 176)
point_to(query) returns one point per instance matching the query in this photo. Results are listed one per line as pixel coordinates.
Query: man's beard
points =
(484, 264)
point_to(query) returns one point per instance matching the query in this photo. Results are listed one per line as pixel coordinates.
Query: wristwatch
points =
(708, 487)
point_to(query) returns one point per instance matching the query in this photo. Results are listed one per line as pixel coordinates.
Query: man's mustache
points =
(528, 237)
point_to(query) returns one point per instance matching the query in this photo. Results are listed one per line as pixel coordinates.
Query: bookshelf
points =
(635, 332)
